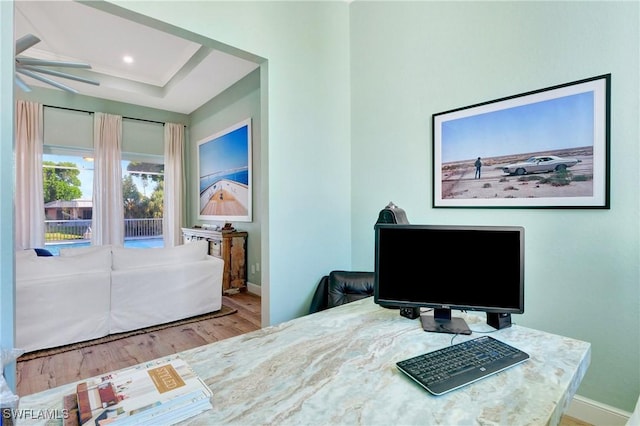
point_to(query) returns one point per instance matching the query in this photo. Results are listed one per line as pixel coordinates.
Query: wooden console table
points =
(230, 246)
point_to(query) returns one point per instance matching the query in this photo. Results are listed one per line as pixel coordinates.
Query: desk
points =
(337, 367)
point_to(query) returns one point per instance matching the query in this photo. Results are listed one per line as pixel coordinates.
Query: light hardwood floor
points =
(51, 371)
(47, 372)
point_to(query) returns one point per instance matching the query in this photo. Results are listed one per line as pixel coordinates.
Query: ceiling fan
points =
(35, 67)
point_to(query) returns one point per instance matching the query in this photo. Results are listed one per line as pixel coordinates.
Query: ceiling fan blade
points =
(46, 80)
(25, 42)
(60, 74)
(21, 84)
(21, 60)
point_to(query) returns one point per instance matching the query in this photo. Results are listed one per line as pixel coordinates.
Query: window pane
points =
(68, 193)
(67, 188)
(143, 194)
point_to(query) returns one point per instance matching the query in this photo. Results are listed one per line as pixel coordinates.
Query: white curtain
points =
(173, 184)
(108, 210)
(29, 198)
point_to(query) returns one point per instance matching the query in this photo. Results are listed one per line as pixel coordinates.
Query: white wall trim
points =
(596, 413)
(254, 288)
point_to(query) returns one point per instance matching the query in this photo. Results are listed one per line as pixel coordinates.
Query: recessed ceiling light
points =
(127, 59)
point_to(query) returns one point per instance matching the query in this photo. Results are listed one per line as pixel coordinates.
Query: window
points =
(67, 190)
(143, 195)
(68, 178)
(68, 203)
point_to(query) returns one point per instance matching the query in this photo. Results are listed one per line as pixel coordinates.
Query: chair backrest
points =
(349, 286)
(340, 287)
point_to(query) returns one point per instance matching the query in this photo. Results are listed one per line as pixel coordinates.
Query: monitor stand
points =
(441, 322)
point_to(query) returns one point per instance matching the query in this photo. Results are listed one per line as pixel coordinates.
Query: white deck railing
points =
(80, 229)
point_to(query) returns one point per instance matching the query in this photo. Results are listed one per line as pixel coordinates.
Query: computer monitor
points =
(450, 267)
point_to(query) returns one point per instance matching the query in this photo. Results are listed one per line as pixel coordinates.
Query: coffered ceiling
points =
(167, 71)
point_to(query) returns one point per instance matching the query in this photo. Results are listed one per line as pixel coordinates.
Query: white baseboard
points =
(254, 288)
(596, 413)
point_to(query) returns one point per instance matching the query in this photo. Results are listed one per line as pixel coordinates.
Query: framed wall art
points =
(547, 148)
(224, 174)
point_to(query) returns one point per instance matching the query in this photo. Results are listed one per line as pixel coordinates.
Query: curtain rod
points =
(93, 112)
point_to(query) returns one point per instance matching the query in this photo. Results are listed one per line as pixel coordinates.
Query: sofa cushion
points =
(130, 258)
(74, 251)
(141, 297)
(36, 267)
(25, 254)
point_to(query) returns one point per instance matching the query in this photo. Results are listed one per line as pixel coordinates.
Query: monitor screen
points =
(445, 267)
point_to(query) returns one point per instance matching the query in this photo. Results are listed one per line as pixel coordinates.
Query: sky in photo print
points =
(564, 122)
(225, 153)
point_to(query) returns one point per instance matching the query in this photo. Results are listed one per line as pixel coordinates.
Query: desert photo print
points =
(544, 149)
(533, 179)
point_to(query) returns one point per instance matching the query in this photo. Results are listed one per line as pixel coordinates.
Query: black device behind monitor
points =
(445, 267)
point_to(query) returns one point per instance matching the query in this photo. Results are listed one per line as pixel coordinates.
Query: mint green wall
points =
(239, 102)
(58, 98)
(307, 195)
(412, 59)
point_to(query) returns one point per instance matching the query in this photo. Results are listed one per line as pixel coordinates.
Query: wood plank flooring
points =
(47, 372)
(570, 421)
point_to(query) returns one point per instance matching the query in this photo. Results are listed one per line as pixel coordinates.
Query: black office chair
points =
(340, 287)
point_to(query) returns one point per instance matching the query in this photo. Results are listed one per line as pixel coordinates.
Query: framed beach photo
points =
(547, 148)
(224, 174)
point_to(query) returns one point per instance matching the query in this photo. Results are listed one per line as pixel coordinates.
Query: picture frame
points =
(225, 174)
(528, 146)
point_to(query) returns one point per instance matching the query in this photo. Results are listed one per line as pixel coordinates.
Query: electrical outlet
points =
(253, 269)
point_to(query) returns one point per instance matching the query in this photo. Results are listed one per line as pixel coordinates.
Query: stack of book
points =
(163, 391)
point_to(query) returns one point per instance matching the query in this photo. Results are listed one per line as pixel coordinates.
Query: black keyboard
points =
(458, 365)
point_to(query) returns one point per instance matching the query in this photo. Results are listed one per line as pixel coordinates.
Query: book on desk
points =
(164, 391)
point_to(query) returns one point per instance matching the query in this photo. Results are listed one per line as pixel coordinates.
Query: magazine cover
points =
(163, 391)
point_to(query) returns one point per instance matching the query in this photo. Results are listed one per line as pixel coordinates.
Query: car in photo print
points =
(540, 164)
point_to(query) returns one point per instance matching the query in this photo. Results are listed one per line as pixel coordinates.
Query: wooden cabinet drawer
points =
(215, 248)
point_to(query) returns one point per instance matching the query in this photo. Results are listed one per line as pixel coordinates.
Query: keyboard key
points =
(458, 365)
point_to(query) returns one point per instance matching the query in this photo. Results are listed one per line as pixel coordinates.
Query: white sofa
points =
(91, 292)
